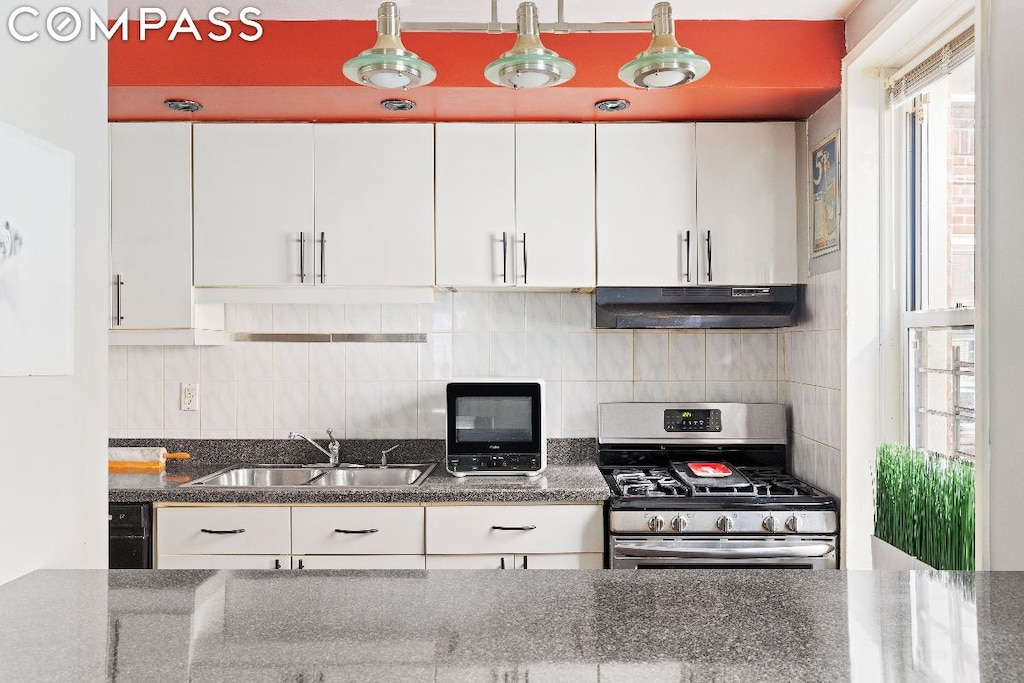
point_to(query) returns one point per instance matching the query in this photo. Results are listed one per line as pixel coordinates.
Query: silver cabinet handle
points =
(504, 258)
(118, 318)
(302, 257)
(687, 255)
(524, 258)
(528, 527)
(710, 278)
(323, 248)
(223, 531)
(356, 531)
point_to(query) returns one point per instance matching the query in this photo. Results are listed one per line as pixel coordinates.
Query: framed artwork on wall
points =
(825, 196)
(37, 204)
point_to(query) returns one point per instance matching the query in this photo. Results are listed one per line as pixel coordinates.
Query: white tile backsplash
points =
(145, 363)
(650, 356)
(396, 390)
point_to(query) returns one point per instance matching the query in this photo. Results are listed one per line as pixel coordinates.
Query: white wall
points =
(54, 426)
(396, 390)
(1000, 323)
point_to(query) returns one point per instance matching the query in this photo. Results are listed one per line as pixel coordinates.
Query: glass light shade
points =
(664, 69)
(389, 70)
(522, 71)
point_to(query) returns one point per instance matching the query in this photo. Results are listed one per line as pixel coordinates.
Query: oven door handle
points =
(735, 553)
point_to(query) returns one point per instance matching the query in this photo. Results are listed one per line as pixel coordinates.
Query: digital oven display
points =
(677, 420)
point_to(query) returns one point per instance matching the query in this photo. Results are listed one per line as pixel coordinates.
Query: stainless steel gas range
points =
(706, 485)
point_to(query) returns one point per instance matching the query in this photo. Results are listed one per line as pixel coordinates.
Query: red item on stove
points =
(709, 469)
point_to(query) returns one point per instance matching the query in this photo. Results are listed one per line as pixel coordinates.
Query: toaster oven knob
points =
(656, 523)
(793, 524)
(724, 524)
(678, 523)
(769, 524)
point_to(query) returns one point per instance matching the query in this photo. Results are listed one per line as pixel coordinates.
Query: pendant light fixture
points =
(529, 64)
(388, 64)
(665, 64)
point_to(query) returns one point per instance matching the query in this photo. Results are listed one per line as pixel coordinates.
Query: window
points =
(934, 118)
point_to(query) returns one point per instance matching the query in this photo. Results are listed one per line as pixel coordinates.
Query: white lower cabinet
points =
(526, 561)
(515, 537)
(358, 562)
(223, 562)
(527, 536)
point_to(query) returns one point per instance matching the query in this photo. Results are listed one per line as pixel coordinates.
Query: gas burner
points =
(656, 482)
(769, 481)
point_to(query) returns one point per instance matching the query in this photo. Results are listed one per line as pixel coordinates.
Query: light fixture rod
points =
(477, 27)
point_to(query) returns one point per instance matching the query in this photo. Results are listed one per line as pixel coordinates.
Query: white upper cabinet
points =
(646, 204)
(151, 225)
(515, 205)
(555, 205)
(152, 298)
(746, 202)
(696, 204)
(476, 211)
(253, 204)
(374, 204)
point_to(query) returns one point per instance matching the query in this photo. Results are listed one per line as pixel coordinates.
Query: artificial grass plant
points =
(924, 505)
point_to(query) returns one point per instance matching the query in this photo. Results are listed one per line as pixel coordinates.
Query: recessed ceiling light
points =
(189, 106)
(612, 105)
(397, 105)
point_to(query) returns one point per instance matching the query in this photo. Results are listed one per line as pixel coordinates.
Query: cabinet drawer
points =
(358, 562)
(223, 562)
(499, 529)
(232, 531)
(357, 531)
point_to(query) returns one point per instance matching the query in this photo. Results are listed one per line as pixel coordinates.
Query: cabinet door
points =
(646, 204)
(374, 204)
(358, 562)
(475, 193)
(471, 561)
(746, 202)
(560, 561)
(151, 224)
(223, 562)
(555, 240)
(253, 189)
(497, 529)
(223, 530)
(357, 530)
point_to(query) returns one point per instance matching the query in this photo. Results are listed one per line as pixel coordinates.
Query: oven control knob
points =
(793, 524)
(724, 524)
(770, 524)
(678, 523)
(656, 523)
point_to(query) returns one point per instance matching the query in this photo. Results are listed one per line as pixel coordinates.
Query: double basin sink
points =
(304, 476)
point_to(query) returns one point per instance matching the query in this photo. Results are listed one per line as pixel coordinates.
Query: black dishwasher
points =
(130, 536)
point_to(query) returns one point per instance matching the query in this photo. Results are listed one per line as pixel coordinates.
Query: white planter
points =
(886, 556)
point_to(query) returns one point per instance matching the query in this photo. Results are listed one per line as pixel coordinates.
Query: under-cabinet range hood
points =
(697, 307)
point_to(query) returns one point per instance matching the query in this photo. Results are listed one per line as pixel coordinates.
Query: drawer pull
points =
(223, 531)
(528, 527)
(356, 531)
(277, 564)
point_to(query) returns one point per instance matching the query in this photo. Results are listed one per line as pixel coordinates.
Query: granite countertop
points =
(571, 476)
(603, 625)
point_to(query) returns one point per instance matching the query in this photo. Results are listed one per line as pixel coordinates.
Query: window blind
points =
(935, 66)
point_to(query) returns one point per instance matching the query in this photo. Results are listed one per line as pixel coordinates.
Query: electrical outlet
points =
(189, 396)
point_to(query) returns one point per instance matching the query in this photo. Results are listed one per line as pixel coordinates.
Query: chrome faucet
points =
(333, 451)
(384, 455)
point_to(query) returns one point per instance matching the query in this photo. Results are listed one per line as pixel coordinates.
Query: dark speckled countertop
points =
(595, 626)
(571, 475)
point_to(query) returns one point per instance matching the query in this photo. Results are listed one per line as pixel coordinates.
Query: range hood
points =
(697, 307)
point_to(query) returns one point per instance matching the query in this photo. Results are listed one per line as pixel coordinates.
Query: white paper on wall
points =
(37, 199)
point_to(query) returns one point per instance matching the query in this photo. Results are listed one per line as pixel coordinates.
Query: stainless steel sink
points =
(297, 476)
(375, 476)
